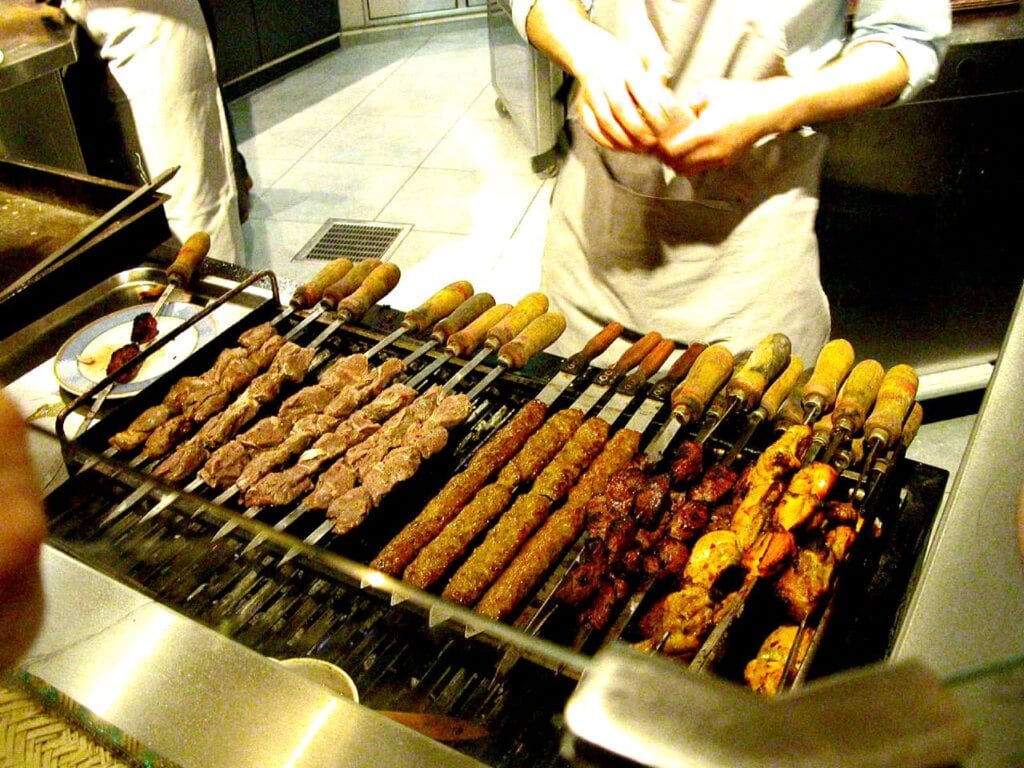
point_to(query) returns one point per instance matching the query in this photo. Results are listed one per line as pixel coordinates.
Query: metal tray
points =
(42, 208)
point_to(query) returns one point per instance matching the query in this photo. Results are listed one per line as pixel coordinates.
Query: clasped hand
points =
(625, 105)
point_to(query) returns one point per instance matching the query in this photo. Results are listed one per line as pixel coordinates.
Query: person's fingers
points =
(22, 531)
(591, 125)
(598, 113)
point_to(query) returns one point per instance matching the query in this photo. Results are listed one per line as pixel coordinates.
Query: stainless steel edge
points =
(196, 697)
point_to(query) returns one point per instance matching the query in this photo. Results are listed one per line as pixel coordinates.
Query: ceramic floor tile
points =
(272, 244)
(317, 191)
(463, 202)
(409, 95)
(265, 171)
(481, 145)
(381, 139)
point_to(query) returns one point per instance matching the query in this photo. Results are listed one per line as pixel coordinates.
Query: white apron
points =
(728, 255)
(160, 54)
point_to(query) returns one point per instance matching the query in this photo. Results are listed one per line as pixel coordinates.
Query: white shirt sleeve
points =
(521, 9)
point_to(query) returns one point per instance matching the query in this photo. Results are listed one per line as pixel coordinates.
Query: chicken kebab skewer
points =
(348, 384)
(220, 420)
(894, 420)
(359, 478)
(764, 539)
(785, 654)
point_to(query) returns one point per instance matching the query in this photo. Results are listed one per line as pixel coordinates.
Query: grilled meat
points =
(687, 464)
(123, 356)
(687, 518)
(805, 492)
(331, 484)
(764, 672)
(711, 556)
(498, 450)
(678, 622)
(163, 439)
(136, 433)
(279, 488)
(598, 613)
(584, 578)
(144, 328)
(254, 337)
(716, 482)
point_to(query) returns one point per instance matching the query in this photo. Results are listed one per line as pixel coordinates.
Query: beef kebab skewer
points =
(379, 468)
(250, 343)
(896, 413)
(524, 469)
(435, 309)
(488, 459)
(318, 408)
(335, 292)
(567, 523)
(290, 363)
(521, 333)
(468, 312)
(278, 488)
(144, 326)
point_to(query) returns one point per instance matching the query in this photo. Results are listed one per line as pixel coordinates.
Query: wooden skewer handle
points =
(649, 366)
(597, 345)
(463, 343)
(912, 424)
(629, 360)
(765, 363)
(539, 334)
(191, 255)
(779, 390)
(830, 369)
(677, 371)
(464, 314)
(438, 306)
(309, 293)
(349, 282)
(858, 394)
(709, 372)
(895, 399)
(377, 285)
(528, 309)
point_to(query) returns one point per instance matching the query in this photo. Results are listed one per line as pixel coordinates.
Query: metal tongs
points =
(83, 238)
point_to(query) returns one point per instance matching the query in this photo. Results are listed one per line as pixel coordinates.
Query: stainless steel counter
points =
(195, 697)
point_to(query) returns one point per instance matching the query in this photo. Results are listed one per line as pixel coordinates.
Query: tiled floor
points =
(399, 126)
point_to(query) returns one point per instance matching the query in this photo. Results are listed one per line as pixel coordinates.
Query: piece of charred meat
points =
(121, 357)
(144, 328)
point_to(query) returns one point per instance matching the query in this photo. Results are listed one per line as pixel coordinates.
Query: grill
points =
(407, 649)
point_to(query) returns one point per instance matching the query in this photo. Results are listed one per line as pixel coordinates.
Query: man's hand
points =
(731, 116)
(624, 104)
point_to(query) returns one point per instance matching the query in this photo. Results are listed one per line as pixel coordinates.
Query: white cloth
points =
(160, 54)
(816, 31)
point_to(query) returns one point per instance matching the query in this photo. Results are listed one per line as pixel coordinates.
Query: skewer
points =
(606, 380)
(771, 401)
(336, 291)
(305, 296)
(526, 310)
(540, 333)
(629, 387)
(489, 458)
(377, 284)
(833, 365)
(793, 673)
(179, 273)
(438, 309)
(855, 399)
(709, 372)
(766, 362)
(895, 399)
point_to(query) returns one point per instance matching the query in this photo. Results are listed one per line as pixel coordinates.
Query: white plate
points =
(83, 360)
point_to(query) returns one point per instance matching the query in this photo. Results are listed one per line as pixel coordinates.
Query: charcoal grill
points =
(407, 649)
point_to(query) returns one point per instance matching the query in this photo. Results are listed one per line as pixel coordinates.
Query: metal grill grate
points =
(355, 240)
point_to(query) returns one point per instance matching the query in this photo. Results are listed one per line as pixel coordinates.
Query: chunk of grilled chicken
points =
(679, 622)
(763, 673)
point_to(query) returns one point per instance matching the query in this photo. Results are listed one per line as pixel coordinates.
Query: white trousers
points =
(160, 54)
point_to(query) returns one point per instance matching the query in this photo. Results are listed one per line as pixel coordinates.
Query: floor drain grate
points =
(355, 240)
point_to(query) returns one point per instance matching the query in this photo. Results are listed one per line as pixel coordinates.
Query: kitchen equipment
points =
(43, 208)
(406, 647)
